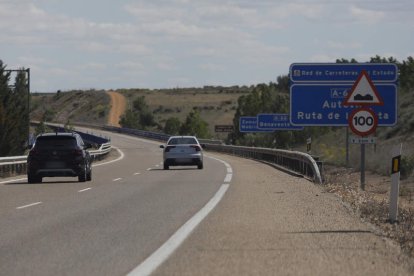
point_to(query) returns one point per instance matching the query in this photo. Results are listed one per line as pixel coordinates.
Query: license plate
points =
(55, 164)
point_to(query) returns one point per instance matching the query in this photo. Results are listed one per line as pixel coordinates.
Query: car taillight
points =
(167, 149)
(33, 152)
(197, 148)
(77, 152)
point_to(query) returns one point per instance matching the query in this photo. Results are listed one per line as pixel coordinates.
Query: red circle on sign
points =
(363, 121)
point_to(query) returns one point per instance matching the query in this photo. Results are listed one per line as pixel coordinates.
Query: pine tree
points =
(14, 113)
(5, 96)
(20, 120)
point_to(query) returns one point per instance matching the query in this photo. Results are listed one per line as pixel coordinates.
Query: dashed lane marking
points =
(28, 205)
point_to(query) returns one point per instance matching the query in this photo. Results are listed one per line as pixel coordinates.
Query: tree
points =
(5, 96)
(139, 117)
(19, 114)
(130, 120)
(172, 126)
(407, 74)
(194, 125)
(14, 112)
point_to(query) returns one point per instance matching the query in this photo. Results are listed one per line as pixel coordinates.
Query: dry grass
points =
(215, 107)
(372, 204)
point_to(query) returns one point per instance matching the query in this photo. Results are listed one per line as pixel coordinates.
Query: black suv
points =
(59, 154)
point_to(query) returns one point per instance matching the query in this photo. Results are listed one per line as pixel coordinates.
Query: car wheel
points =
(82, 176)
(166, 167)
(89, 176)
(33, 179)
(200, 166)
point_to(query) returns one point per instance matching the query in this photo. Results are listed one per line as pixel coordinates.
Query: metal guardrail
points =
(295, 162)
(290, 161)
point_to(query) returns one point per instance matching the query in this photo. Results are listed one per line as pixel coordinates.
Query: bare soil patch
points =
(372, 204)
(118, 106)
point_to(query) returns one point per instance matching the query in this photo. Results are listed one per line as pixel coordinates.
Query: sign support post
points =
(347, 147)
(395, 182)
(363, 167)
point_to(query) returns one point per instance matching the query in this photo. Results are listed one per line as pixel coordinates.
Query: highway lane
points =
(104, 227)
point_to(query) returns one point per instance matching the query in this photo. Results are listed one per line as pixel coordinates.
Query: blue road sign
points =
(341, 72)
(275, 122)
(249, 124)
(322, 104)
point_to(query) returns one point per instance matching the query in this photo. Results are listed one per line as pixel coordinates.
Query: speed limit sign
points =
(363, 121)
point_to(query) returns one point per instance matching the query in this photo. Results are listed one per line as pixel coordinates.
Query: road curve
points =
(268, 223)
(107, 226)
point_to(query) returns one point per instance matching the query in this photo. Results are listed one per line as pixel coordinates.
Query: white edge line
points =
(228, 178)
(117, 179)
(29, 205)
(122, 155)
(137, 173)
(161, 254)
(12, 180)
(84, 190)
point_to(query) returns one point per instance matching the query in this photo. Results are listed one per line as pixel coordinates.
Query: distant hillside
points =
(217, 105)
(74, 106)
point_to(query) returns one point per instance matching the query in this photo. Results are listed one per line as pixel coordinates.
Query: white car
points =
(182, 151)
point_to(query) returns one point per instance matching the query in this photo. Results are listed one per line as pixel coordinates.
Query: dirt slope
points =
(118, 105)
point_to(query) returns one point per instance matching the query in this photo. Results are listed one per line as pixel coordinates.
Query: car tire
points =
(200, 166)
(166, 167)
(33, 179)
(82, 176)
(89, 176)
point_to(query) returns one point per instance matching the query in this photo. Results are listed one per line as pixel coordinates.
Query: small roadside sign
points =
(249, 124)
(363, 121)
(363, 92)
(362, 140)
(223, 128)
(275, 121)
(309, 145)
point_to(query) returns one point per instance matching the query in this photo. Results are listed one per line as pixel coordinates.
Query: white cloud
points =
(343, 45)
(95, 66)
(213, 67)
(367, 16)
(176, 42)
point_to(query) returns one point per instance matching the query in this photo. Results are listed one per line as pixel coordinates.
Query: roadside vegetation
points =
(14, 112)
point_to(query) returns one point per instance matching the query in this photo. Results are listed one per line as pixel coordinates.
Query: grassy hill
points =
(74, 106)
(217, 105)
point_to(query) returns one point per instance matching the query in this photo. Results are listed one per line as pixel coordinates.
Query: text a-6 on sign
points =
(322, 104)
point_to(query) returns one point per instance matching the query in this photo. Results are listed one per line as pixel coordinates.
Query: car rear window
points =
(56, 142)
(180, 141)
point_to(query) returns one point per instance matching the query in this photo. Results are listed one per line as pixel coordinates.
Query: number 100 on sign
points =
(363, 121)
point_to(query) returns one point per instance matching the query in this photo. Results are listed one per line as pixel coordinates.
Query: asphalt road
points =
(104, 227)
(267, 223)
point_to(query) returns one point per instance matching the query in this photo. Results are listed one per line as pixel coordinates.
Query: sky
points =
(109, 44)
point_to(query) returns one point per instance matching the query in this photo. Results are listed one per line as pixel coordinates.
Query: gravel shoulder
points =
(270, 223)
(372, 204)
